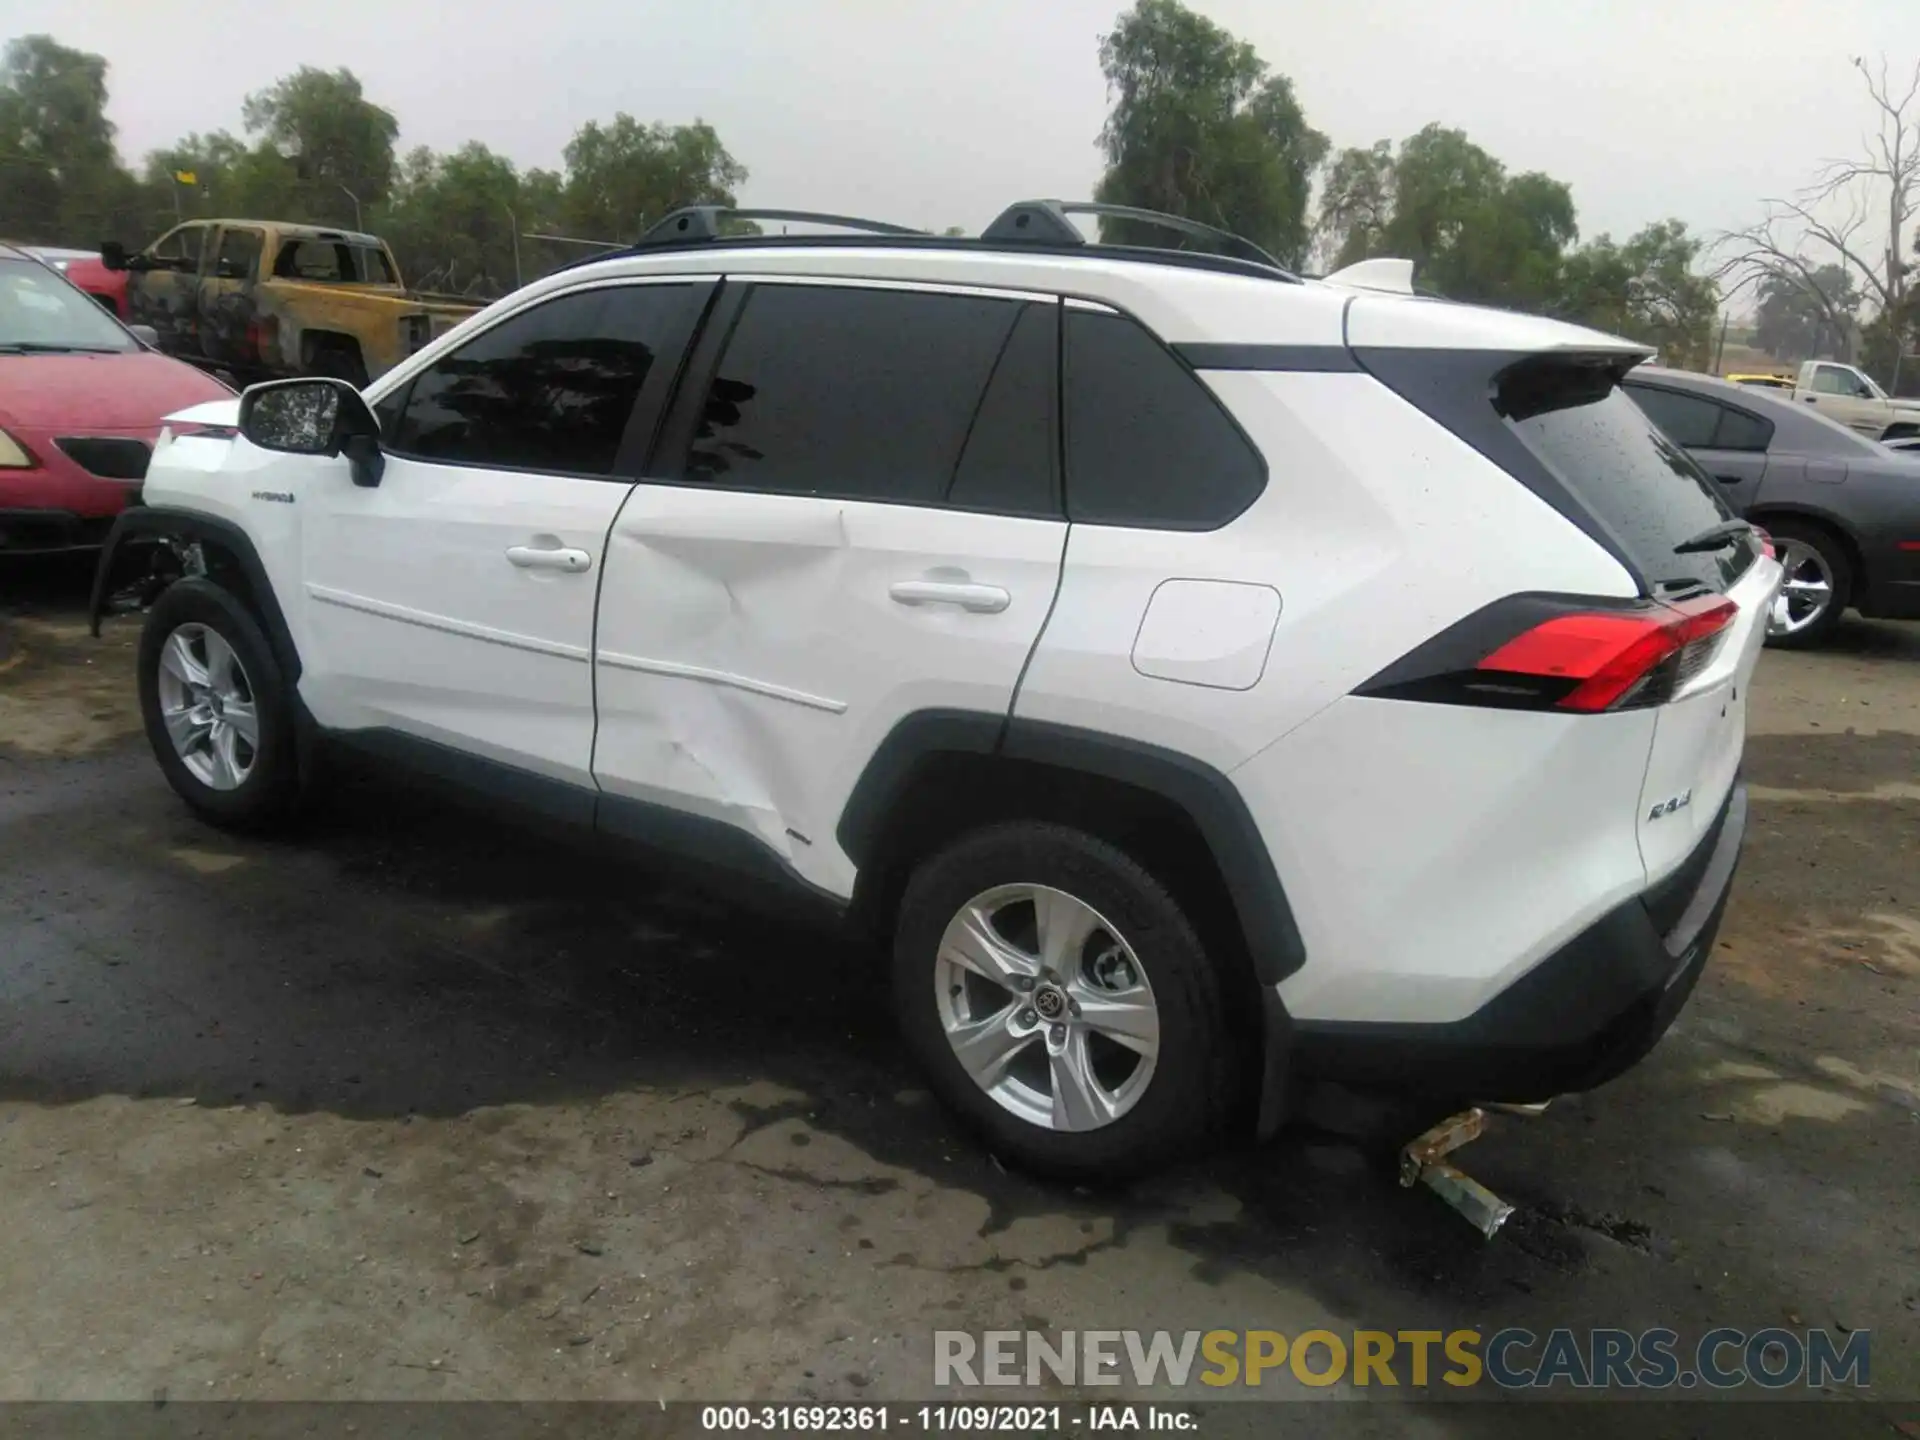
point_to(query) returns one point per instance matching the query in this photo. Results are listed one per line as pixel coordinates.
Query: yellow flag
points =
(186, 177)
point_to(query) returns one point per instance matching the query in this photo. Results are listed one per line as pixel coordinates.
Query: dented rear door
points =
(853, 517)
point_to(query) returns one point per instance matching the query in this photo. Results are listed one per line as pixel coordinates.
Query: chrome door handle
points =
(981, 599)
(529, 557)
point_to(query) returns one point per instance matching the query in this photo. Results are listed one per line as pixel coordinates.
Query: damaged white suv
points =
(1206, 678)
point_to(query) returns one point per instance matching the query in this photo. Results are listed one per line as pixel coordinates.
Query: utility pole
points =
(514, 221)
(356, 207)
(1720, 350)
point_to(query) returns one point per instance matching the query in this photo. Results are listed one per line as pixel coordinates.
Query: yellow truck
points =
(263, 298)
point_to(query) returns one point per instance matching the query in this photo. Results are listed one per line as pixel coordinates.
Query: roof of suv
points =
(1188, 297)
(1183, 303)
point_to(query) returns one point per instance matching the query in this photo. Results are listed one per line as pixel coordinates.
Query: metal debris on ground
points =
(1422, 1162)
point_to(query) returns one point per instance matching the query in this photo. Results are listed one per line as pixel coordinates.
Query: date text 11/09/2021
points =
(939, 1419)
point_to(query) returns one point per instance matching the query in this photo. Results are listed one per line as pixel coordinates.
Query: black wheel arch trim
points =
(156, 521)
(1203, 793)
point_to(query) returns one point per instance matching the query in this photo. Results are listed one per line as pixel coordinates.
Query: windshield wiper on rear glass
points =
(47, 347)
(1714, 537)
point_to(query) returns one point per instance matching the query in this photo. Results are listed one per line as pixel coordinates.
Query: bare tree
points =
(1838, 218)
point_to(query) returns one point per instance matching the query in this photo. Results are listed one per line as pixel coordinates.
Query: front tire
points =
(1061, 1002)
(216, 708)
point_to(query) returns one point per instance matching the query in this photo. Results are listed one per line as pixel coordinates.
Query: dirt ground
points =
(415, 1107)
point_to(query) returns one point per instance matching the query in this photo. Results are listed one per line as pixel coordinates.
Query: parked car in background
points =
(1844, 512)
(81, 403)
(1764, 382)
(1854, 398)
(89, 274)
(262, 298)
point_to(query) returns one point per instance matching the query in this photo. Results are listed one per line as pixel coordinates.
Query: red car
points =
(81, 401)
(85, 269)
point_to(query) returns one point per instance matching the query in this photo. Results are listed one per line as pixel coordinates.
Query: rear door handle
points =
(981, 599)
(530, 557)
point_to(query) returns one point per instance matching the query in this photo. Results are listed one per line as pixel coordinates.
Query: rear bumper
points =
(1893, 600)
(1582, 1016)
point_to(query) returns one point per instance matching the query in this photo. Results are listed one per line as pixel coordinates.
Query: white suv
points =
(1207, 679)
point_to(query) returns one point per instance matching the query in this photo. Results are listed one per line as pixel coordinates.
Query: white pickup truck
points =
(1850, 396)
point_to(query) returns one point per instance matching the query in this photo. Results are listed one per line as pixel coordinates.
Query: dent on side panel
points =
(718, 737)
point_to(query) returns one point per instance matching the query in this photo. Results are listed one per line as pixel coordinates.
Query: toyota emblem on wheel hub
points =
(1049, 1002)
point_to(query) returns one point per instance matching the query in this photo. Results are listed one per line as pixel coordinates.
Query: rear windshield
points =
(1645, 489)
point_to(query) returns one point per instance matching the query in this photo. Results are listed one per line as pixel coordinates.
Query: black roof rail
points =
(1030, 225)
(702, 222)
(1045, 222)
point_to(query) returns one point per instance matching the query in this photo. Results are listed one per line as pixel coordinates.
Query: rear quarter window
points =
(1148, 445)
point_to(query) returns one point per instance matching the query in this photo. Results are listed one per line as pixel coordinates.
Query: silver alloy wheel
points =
(1806, 590)
(207, 705)
(1047, 1007)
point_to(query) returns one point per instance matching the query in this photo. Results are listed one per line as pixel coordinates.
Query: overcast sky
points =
(933, 112)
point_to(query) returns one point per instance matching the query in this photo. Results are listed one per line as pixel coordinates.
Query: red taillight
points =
(1766, 543)
(1610, 655)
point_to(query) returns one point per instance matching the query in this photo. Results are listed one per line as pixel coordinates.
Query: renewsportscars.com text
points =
(1510, 1359)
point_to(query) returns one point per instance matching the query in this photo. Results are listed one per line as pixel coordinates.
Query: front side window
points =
(1832, 380)
(873, 394)
(550, 389)
(180, 249)
(1147, 443)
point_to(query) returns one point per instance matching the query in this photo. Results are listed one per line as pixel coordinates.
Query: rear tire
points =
(1812, 554)
(216, 708)
(1058, 1094)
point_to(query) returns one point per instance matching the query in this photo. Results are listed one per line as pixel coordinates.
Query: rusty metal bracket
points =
(1422, 1162)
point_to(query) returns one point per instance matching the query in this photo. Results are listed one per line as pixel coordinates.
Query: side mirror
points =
(315, 417)
(113, 255)
(146, 335)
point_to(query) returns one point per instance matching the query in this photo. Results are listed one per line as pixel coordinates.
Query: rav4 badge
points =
(1667, 807)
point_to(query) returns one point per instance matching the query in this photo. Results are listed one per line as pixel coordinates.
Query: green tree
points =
(1473, 231)
(335, 145)
(59, 175)
(454, 220)
(1356, 202)
(1199, 127)
(1806, 319)
(624, 175)
(1647, 289)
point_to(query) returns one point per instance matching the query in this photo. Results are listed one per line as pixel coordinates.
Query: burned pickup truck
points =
(262, 299)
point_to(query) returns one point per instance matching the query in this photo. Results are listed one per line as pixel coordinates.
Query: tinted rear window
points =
(862, 394)
(1645, 489)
